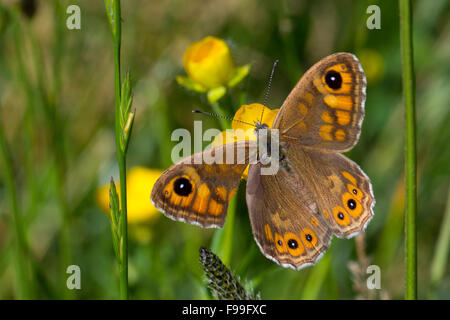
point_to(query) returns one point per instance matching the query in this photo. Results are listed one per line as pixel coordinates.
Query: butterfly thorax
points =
(270, 147)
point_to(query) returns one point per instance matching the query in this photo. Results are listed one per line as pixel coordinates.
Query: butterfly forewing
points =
(326, 107)
(198, 193)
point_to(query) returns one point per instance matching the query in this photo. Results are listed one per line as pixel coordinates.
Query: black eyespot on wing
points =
(293, 244)
(351, 204)
(333, 79)
(309, 237)
(182, 187)
(340, 215)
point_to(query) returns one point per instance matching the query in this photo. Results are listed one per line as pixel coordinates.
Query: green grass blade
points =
(411, 159)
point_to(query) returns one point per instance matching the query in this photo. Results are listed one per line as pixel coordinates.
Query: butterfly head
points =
(259, 125)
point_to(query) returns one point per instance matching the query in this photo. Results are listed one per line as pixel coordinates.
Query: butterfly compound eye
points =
(182, 187)
(333, 79)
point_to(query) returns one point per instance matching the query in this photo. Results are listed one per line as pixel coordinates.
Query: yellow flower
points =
(244, 131)
(210, 68)
(209, 62)
(140, 181)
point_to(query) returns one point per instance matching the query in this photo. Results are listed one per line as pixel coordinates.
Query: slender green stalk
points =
(222, 116)
(121, 157)
(411, 160)
(49, 95)
(20, 240)
(222, 242)
(123, 124)
(223, 239)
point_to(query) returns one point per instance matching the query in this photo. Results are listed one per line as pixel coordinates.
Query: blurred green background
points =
(57, 114)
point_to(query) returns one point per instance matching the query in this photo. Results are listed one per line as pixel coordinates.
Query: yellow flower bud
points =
(209, 62)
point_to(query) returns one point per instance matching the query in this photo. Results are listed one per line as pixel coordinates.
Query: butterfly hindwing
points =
(341, 190)
(285, 224)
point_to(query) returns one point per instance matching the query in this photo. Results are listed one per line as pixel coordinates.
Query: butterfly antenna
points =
(266, 97)
(220, 116)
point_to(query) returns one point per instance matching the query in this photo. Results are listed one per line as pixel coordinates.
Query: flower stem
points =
(222, 242)
(411, 160)
(218, 110)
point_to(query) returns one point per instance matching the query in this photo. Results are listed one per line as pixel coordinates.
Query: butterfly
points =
(316, 193)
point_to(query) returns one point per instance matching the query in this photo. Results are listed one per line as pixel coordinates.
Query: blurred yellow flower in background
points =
(373, 65)
(140, 181)
(210, 67)
(244, 131)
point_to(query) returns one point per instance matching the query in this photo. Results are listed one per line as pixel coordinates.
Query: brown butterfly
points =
(317, 191)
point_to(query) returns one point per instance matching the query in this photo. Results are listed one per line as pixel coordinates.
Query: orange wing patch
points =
(215, 208)
(343, 117)
(222, 193)
(314, 221)
(201, 200)
(303, 108)
(319, 85)
(268, 233)
(349, 177)
(326, 117)
(325, 132)
(339, 135)
(339, 102)
(308, 97)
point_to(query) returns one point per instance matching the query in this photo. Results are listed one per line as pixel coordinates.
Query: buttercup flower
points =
(240, 131)
(210, 68)
(140, 181)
